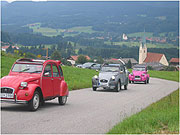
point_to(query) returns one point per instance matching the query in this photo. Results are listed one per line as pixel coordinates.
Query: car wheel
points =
(94, 88)
(148, 80)
(62, 100)
(129, 81)
(145, 82)
(125, 87)
(132, 81)
(118, 87)
(34, 102)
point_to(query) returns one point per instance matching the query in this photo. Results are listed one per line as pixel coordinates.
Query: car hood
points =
(15, 80)
(138, 73)
(107, 75)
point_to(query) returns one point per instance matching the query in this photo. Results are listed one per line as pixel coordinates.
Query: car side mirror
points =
(46, 74)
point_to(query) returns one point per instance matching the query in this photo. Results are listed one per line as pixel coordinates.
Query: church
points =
(148, 57)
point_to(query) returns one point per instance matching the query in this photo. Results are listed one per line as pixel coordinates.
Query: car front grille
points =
(103, 80)
(137, 77)
(7, 90)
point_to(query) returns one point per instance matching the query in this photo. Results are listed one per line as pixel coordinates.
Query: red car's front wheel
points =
(34, 102)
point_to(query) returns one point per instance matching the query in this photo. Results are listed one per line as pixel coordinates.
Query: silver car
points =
(111, 76)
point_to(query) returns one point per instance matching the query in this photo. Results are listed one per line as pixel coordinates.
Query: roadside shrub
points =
(150, 68)
(170, 68)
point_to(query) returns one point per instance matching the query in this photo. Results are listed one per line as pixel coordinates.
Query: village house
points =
(73, 59)
(149, 57)
(174, 61)
(4, 48)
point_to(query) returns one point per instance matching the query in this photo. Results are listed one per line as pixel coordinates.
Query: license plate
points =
(6, 95)
(137, 78)
(103, 84)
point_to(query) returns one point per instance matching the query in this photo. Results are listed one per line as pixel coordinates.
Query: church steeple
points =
(142, 50)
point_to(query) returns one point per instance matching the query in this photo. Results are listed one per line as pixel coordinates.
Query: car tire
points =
(145, 82)
(129, 81)
(94, 88)
(148, 80)
(34, 102)
(125, 87)
(132, 81)
(62, 100)
(118, 87)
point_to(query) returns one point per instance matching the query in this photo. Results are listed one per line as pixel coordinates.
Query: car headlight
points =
(24, 84)
(113, 77)
(95, 76)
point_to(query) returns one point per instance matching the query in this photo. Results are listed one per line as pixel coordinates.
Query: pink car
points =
(139, 74)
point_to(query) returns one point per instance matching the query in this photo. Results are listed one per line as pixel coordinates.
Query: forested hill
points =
(120, 17)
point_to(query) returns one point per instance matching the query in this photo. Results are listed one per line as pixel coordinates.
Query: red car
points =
(33, 82)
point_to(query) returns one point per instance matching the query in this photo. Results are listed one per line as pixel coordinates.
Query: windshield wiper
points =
(35, 71)
(26, 69)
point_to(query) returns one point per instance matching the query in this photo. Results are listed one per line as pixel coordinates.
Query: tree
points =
(80, 51)
(56, 55)
(81, 59)
(100, 60)
(129, 65)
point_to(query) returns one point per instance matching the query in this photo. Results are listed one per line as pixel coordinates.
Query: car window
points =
(55, 71)
(27, 68)
(61, 72)
(47, 71)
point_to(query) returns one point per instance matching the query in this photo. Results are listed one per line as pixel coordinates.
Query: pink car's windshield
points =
(27, 68)
(138, 69)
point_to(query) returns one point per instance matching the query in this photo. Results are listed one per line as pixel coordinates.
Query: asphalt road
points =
(86, 111)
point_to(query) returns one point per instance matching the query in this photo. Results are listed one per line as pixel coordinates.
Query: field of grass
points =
(54, 32)
(140, 34)
(76, 78)
(149, 45)
(161, 117)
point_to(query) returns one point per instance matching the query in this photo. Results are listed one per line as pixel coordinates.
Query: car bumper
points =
(14, 100)
(137, 80)
(109, 85)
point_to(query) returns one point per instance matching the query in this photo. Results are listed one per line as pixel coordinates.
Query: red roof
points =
(114, 59)
(7, 46)
(153, 57)
(76, 57)
(174, 60)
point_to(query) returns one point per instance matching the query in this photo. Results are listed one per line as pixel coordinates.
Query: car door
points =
(47, 81)
(56, 80)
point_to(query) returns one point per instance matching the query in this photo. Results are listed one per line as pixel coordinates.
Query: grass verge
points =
(160, 117)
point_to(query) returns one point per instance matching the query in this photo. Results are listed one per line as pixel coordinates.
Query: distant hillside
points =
(118, 17)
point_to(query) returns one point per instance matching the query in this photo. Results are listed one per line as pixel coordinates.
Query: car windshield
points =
(27, 68)
(87, 64)
(139, 69)
(109, 69)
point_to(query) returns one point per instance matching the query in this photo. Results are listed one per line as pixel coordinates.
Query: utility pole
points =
(46, 52)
